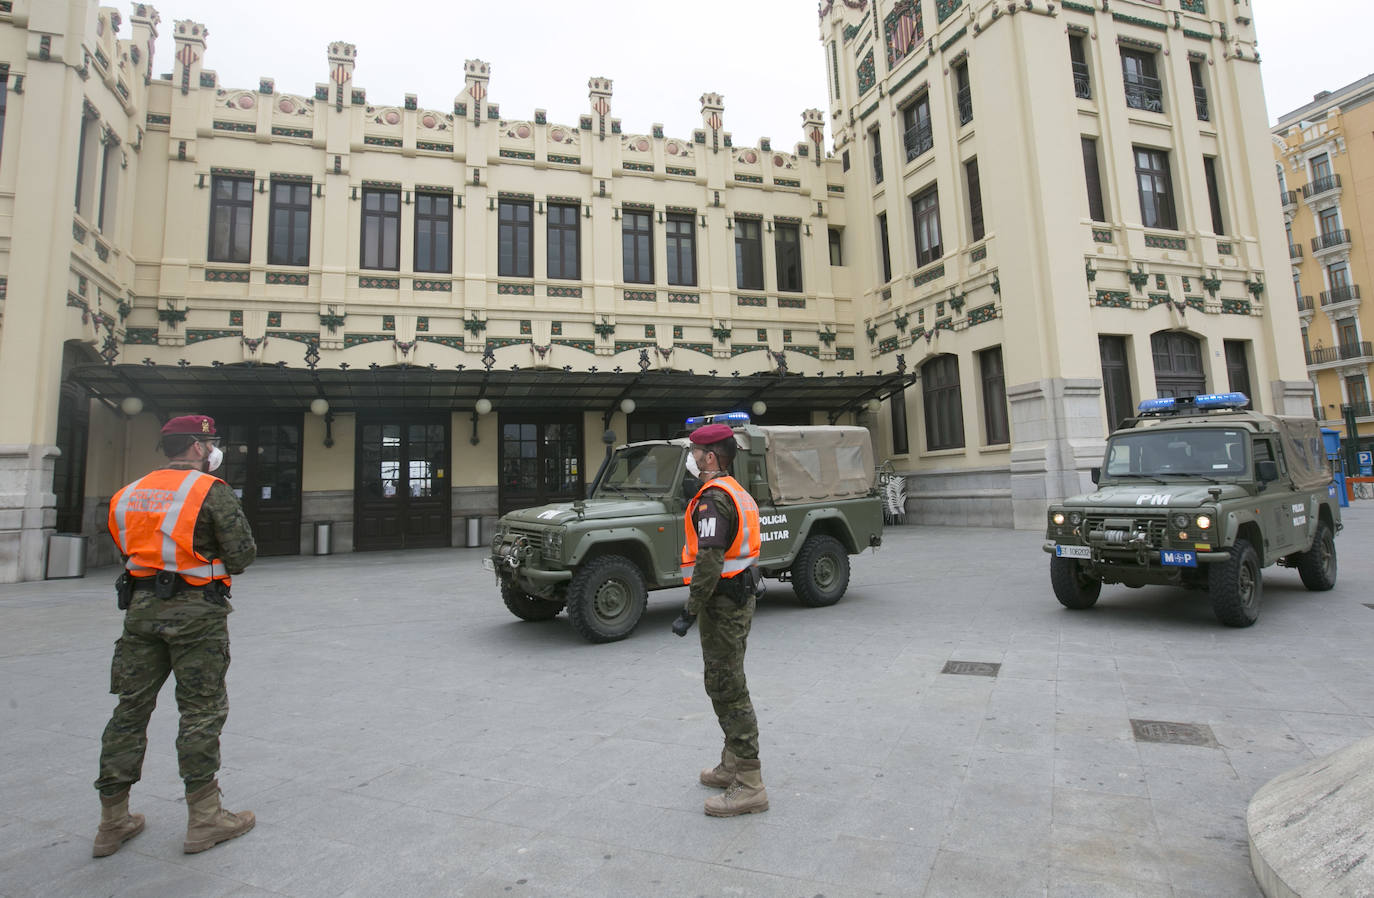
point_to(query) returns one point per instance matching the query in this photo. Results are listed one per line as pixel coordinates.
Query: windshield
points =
(642, 470)
(1211, 452)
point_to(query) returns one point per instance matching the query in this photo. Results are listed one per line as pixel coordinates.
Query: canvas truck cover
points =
(1306, 455)
(811, 464)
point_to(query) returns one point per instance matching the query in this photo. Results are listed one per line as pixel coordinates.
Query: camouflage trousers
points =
(724, 627)
(186, 636)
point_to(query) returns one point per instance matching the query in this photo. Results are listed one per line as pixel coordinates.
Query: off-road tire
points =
(606, 598)
(1073, 588)
(525, 606)
(1317, 566)
(1236, 586)
(820, 573)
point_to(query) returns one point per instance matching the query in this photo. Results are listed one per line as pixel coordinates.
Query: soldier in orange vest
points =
(182, 534)
(719, 563)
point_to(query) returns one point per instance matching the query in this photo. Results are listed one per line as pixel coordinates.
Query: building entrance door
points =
(540, 460)
(401, 483)
(262, 462)
(1178, 364)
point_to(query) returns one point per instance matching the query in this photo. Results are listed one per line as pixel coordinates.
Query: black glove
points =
(684, 623)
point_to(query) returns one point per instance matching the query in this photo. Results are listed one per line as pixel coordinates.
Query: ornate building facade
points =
(408, 318)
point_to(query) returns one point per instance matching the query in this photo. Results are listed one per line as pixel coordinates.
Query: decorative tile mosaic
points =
(222, 276)
(515, 289)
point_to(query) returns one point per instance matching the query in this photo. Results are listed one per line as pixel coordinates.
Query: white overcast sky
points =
(763, 55)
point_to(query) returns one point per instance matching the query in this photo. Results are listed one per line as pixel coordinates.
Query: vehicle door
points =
(1285, 514)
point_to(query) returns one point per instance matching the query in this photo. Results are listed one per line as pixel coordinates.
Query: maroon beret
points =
(190, 425)
(711, 433)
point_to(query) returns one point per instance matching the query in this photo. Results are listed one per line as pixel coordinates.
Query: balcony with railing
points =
(1361, 409)
(1306, 305)
(1289, 198)
(965, 100)
(1144, 92)
(1200, 100)
(1331, 240)
(1321, 185)
(918, 139)
(1294, 251)
(1082, 83)
(1346, 352)
(1341, 295)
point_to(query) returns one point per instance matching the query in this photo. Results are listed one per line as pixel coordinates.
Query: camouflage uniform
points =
(724, 623)
(186, 635)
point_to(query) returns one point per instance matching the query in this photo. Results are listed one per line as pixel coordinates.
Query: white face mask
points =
(214, 459)
(692, 465)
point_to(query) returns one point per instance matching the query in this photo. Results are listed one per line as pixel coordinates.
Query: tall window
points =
(681, 237)
(836, 246)
(109, 185)
(1116, 380)
(434, 232)
(1209, 169)
(975, 199)
(1096, 209)
(1329, 222)
(4, 101)
(995, 427)
(1156, 189)
(1338, 275)
(1238, 368)
(916, 120)
(565, 256)
(1357, 392)
(288, 224)
(87, 148)
(925, 211)
(787, 249)
(231, 219)
(1143, 89)
(943, 405)
(637, 242)
(515, 239)
(1204, 114)
(877, 155)
(886, 250)
(963, 93)
(381, 238)
(1078, 61)
(748, 255)
(897, 403)
(1321, 167)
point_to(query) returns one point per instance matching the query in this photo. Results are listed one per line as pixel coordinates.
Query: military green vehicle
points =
(599, 557)
(1200, 493)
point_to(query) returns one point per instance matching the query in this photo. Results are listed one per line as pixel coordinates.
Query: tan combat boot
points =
(117, 825)
(745, 795)
(208, 824)
(721, 775)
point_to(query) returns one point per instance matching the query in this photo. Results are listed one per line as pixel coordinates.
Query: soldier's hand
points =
(684, 623)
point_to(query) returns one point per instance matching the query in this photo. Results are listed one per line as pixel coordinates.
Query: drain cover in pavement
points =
(1173, 733)
(972, 668)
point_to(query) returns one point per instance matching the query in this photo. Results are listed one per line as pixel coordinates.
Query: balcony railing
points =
(1144, 92)
(1294, 251)
(1330, 239)
(918, 139)
(1200, 100)
(1361, 409)
(1288, 197)
(1342, 353)
(1341, 294)
(965, 105)
(1320, 186)
(1082, 84)
(1305, 304)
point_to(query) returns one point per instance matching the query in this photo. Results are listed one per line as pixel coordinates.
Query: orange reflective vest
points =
(153, 521)
(744, 551)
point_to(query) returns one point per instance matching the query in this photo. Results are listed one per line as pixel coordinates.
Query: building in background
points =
(1326, 185)
(405, 318)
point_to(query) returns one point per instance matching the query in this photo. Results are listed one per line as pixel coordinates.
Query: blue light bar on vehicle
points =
(1221, 400)
(731, 418)
(1167, 404)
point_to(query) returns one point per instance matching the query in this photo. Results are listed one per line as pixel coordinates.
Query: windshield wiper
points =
(1142, 476)
(1207, 477)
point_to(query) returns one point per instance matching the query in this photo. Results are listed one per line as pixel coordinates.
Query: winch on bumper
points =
(517, 557)
(1135, 549)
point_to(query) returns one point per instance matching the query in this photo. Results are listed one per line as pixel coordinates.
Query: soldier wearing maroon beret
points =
(182, 534)
(720, 565)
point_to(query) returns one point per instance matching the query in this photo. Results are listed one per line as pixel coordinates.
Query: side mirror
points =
(1266, 471)
(1096, 474)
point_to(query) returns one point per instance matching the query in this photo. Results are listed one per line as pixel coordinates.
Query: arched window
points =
(944, 410)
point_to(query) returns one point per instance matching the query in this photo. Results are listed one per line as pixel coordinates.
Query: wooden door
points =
(401, 485)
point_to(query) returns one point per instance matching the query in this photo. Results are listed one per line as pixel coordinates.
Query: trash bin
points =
(324, 537)
(474, 532)
(66, 556)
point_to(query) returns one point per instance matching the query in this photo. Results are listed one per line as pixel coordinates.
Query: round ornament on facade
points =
(523, 131)
(286, 106)
(392, 117)
(428, 121)
(642, 145)
(751, 157)
(557, 134)
(246, 101)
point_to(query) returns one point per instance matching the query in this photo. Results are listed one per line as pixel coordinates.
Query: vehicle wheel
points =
(606, 598)
(525, 606)
(820, 575)
(1073, 588)
(1317, 566)
(1235, 585)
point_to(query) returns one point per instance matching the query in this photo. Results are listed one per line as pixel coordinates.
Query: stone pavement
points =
(399, 733)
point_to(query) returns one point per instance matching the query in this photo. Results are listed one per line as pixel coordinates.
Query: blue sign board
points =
(1366, 464)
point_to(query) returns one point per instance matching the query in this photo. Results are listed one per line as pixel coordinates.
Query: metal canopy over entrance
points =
(167, 390)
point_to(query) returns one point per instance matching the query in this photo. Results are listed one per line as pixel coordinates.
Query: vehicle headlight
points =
(553, 543)
(1203, 522)
(1058, 518)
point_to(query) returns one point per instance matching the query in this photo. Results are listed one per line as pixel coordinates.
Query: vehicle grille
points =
(1154, 528)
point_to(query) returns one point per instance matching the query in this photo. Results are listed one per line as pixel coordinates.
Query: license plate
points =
(1171, 558)
(1073, 552)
